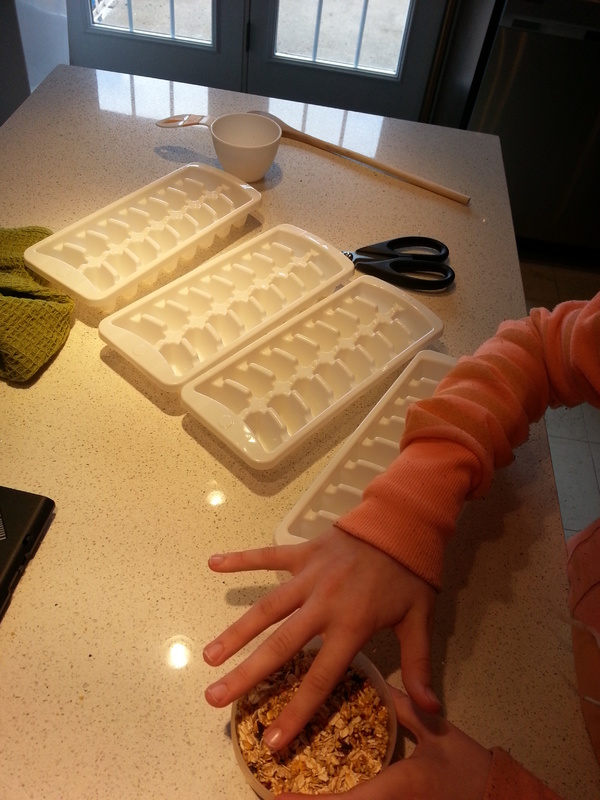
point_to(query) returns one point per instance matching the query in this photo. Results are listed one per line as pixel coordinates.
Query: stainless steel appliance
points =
(540, 92)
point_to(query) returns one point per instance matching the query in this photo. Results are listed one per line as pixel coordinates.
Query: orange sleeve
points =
(508, 780)
(481, 411)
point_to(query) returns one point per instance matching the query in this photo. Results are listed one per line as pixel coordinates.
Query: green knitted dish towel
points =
(34, 318)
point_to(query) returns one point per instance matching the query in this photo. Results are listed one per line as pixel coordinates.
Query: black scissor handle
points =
(423, 276)
(419, 248)
(429, 276)
(409, 248)
(414, 262)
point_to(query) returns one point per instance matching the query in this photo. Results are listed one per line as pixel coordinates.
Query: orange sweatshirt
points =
(454, 442)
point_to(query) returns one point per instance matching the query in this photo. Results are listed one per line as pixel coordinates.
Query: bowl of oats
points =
(350, 739)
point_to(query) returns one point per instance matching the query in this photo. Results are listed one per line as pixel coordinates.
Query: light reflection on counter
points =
(351, 129)
(141, 97)
(148, 98)
(179, 651)
(215, 496)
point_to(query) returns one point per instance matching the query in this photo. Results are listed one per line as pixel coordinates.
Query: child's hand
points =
(445, 765)
(341, 589)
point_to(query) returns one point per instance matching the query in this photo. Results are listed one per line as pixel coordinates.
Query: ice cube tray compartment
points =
(180, 330)
(264, 401)
(109, 253)
(365, 454)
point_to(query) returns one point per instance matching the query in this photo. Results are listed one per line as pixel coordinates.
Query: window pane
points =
(193, 20)
(181, 19)
(365, 35)
(384, 35)
(154, 17)
(296, 20)
(340, 29)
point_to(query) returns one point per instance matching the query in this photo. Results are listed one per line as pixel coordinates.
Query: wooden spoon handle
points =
(300, 136)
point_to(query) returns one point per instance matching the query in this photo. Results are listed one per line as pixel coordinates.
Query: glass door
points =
(372, 56)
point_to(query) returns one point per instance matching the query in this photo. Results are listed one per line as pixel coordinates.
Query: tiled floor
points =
(574, 434)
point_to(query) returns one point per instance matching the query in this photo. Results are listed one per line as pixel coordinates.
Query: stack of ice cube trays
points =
(265, 342)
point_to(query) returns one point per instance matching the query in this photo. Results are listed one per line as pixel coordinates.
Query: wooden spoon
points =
(299, 136)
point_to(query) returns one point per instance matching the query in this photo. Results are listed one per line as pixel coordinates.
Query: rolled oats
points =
(344, 744)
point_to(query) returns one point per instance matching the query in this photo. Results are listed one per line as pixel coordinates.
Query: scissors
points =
(415, 262)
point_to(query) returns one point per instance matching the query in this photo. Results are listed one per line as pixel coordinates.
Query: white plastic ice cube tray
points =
(365, 454)
(180, 330)
(109, 253)
(267, 399)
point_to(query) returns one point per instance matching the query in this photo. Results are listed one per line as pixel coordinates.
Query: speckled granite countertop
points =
(90, 704)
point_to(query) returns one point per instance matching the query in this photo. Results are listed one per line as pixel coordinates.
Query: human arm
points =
(480, 413)
(450, 450)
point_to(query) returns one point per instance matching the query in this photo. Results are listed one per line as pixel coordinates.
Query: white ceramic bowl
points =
(245, 144)
(364, 665)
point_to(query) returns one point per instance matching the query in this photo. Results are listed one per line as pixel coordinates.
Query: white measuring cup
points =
(245, 144)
